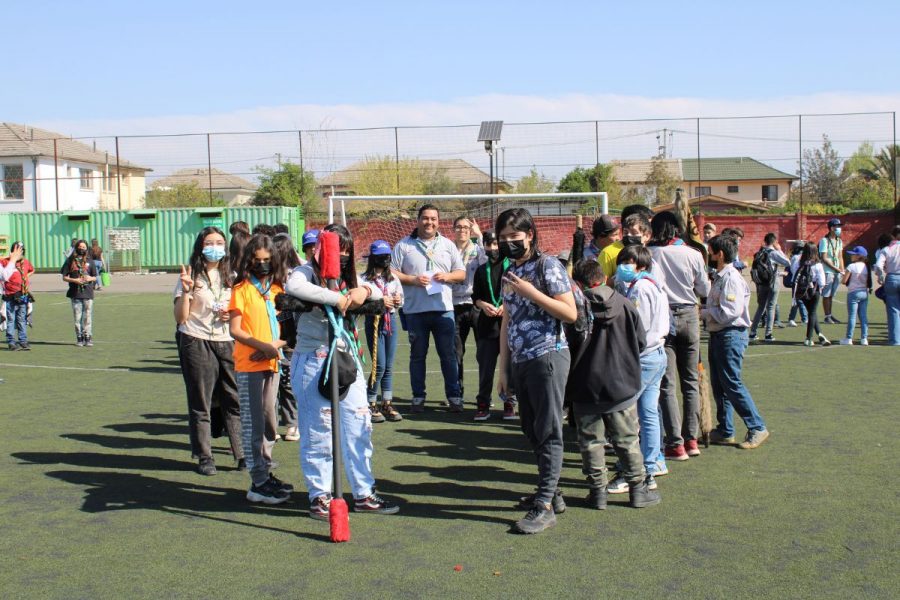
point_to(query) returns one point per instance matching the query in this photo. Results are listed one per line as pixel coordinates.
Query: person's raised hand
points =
(187, 282)
(519, 286)
(16, 254)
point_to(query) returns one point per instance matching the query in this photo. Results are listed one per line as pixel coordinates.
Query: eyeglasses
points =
(461, 227)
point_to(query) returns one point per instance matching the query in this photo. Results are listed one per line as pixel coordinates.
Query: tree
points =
(661, 182)
(599, 178)
(181, 195)
(881, 166)
(860, 161)
(822, 172)
(534, 183)
(383, 175)
(288, 185)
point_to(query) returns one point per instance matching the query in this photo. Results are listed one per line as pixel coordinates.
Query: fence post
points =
(801, 224)
(597, 141)
(56, 171)
(397, 158)
(894, 164)
(209, 168)
(699, 175)
(302, 172)
(118, 176)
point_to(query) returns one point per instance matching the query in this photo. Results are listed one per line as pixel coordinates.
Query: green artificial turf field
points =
(99, 498)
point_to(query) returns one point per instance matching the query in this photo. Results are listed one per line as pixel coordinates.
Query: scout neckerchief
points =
(81, 270)
(20, 267)
(643, 275)
(270, 311)
(428, 251)
(675, 242)
(469, 251)
(381, 284)
(495, 300)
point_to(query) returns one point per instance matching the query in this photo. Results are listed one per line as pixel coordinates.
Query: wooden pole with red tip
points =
(338, 515)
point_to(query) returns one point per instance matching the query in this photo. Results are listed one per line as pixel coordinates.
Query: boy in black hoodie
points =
(604, 385)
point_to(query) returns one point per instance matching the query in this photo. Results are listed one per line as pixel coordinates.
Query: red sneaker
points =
(676, 453)
(692, 448)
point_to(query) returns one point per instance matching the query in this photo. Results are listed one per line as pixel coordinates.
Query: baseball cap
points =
(834, 222)
(604, 226)
(310, 237)
(379, 248)
(860, 251)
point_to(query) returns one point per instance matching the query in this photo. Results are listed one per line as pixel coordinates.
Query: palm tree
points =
(882, 164)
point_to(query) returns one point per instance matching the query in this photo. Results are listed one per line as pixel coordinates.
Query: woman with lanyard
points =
(314, 409)
(205, 346)
(537, 299)
(468, 238)
(78, 271)
(486, 293)
(382, 332)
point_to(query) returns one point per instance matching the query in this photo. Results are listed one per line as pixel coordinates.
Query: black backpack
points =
(762, 272)
(805, 286)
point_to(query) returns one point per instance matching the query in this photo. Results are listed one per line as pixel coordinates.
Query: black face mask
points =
(81, 251)
(493, 255)
(345, 262)
(514, 249)
(261, 269)
(631, 240)
(381, 262)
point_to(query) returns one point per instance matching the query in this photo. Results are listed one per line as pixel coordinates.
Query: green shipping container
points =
(166, 236)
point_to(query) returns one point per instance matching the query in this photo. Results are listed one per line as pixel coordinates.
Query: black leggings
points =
(812, 324)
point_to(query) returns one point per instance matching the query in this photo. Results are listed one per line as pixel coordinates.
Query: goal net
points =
(390, 218)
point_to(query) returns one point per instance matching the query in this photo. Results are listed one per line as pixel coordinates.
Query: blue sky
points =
(95, 62)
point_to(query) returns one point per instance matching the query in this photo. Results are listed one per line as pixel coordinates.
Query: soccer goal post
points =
(390, 218)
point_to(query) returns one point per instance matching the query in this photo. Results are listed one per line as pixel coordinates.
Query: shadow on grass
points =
(150, 428)
(107, 491)
(126, 443)
(106, 461)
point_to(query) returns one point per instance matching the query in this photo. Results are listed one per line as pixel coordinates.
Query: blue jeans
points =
(766, 303)
(892, 302)
(726, 357)
(16, 316)
(384, 365)
(798, 306)
(442, 325)
(653, 367)
(314, 422)
(858, 300)
(98, 266)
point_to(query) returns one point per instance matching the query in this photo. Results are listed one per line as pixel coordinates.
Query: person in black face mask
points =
(79, 272)
(383, 342)
(488, 299)
(257, 353)
(537, 298)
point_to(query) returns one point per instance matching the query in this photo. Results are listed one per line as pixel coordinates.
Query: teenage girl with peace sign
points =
(205, 345)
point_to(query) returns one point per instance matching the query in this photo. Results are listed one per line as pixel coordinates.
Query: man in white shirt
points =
(831, 251)
(427, 264)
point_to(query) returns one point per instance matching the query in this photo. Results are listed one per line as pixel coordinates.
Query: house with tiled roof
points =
(466, 178)
(233, 190)
(740, 179)
(42, 170)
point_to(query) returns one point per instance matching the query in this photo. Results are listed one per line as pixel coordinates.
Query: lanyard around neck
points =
(495, 300)
(428, 251)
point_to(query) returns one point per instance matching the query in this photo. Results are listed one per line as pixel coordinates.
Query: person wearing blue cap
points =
(308, 243)
(831, 251)
(382, 332)
(858, 280)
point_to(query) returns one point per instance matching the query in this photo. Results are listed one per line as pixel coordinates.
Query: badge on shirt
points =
(731, 297)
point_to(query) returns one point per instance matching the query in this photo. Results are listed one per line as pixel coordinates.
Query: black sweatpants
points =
(208, 371)
(465, 323)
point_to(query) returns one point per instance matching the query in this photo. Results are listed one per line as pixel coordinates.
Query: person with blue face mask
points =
(649, 298)
(831, 251)
(205, 346)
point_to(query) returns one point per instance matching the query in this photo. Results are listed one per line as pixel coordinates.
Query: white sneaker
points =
(846, 342)
(808, 343)
(617, 486)
(661, 469)
(792, 323)
(824, 340)
(864, 342)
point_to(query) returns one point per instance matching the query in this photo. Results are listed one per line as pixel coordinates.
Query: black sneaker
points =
(539, 518)
(24, 346)
(88, 341)
(597, 498)
(559, 504)
(13, 347)
(770, 338)
(373, 503)
(242, 464)
(207, 466)
(281, 484)
(267, 493)
(319, 508)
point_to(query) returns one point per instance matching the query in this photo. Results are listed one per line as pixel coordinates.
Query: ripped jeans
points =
(314, 422)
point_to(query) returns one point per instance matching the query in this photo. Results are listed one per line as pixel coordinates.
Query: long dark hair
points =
(198, 262)
(810, 254)
(287, 255)
(369, 273)
(239, 239)
(345, 240)
(67, 266)
(663, 228)
(520, 220)
(260, 241)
